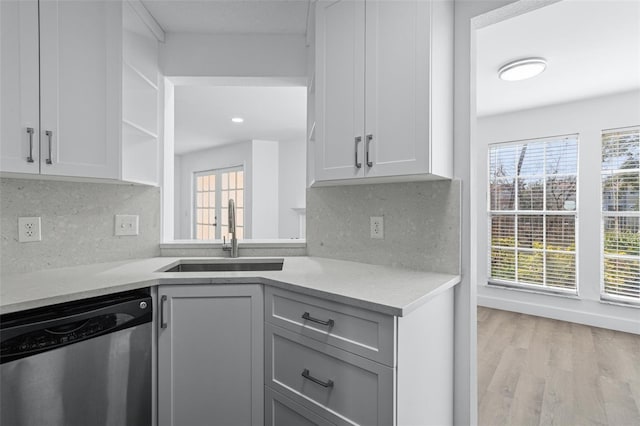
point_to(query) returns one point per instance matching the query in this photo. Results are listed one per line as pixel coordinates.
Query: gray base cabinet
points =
(210, 355)
(331, 364)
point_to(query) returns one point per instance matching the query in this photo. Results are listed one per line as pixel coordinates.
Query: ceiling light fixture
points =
(522, 69)
(237, 119)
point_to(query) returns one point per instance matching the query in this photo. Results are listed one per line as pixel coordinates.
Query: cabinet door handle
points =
(49, 134)
(358, 139)
(369, 139)
(308, 317)
(308, 376)
(163, 324)
(30, 132)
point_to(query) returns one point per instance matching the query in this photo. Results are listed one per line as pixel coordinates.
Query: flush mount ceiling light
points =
(237, 119)
(522, 69)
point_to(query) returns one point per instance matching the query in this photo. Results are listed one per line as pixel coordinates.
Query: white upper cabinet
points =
(19, 86)
(64, 75)
(79, 48)
(340, 41)
(384, 91)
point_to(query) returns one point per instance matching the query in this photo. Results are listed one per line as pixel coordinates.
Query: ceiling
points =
(230, 16)
(592, 49)
(203, 115)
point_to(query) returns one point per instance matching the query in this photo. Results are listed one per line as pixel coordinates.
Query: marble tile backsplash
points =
(421, 224)
(77, 223)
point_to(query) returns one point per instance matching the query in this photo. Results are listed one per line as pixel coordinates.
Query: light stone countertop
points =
(383, 289)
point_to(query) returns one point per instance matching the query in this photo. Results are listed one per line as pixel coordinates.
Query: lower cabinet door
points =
(210, 355)
(281, 411)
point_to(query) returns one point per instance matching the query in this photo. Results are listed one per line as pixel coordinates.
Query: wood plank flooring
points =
(539, 371)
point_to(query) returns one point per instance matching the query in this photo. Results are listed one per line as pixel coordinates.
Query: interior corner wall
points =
(587, 118)
(264, 183)
(233, 55)
(239, 154)
(292, 187)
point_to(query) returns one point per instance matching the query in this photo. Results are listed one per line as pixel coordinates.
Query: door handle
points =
(369, 139)
(163, 324)
(30, 132)
(49, 135)
(357, 140)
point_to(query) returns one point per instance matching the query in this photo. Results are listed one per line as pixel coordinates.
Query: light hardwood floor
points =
(539, 371)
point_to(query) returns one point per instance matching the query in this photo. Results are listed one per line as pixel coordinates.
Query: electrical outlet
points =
(29, 229)
(126, 224)
(377, 226)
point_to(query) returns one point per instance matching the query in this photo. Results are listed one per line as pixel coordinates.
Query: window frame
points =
(604, 296)
(218, 209)
(516, 212)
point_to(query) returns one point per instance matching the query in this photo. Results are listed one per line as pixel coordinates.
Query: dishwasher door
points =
(99, 372)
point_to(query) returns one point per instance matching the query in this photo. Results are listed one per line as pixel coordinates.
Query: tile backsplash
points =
(421, 224)
(77, 223)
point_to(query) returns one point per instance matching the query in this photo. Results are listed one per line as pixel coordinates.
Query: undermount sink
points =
(222, 265)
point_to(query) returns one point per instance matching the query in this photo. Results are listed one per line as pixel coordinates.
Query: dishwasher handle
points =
(139, 310)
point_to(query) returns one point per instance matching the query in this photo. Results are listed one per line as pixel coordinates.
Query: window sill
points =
(626, 304)
(527, 289)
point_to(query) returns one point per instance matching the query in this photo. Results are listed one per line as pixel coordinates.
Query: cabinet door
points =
(80, 77)
(397, 87)
(19, 86)
(210, 355)
(339, 90)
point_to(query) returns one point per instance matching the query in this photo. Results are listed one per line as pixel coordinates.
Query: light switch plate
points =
(126, 224)
(29, 229)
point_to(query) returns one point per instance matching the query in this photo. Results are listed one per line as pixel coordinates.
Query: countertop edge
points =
(443, 282)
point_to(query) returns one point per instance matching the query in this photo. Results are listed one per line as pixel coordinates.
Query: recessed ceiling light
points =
(237, 119)
(522, 69)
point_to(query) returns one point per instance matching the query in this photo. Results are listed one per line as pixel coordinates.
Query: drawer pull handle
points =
(306, 375)
(308, 317)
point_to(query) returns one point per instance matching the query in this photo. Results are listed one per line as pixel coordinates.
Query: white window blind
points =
(212, 191)
(620, 214)
(532, 213)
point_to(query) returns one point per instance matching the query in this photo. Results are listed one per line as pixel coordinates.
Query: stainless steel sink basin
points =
(222, 265)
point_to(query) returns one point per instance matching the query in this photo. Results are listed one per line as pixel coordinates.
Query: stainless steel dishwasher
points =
(85, 363)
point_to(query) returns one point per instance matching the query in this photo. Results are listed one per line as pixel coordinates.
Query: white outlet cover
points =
(29, 229)
(126, 224)
(377, 227)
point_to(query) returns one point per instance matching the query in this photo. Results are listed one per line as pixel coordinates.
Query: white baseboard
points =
(629, 322)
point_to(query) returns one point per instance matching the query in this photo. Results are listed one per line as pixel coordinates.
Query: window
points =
(532, 213)
(620, 213)
(212, 191)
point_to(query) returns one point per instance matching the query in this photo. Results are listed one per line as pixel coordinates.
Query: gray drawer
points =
(281, 411)
(360, 331)
(361, 392)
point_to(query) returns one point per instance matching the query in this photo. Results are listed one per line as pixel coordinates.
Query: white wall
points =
(239, 154)
(265, 220)
(465, 381)
(292, 186)
(587, 118)
(247, 55)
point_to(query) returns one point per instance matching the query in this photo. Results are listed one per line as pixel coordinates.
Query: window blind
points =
(532, 213)
(620, 214)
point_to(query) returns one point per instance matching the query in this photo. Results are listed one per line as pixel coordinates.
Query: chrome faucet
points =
(232, 248)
